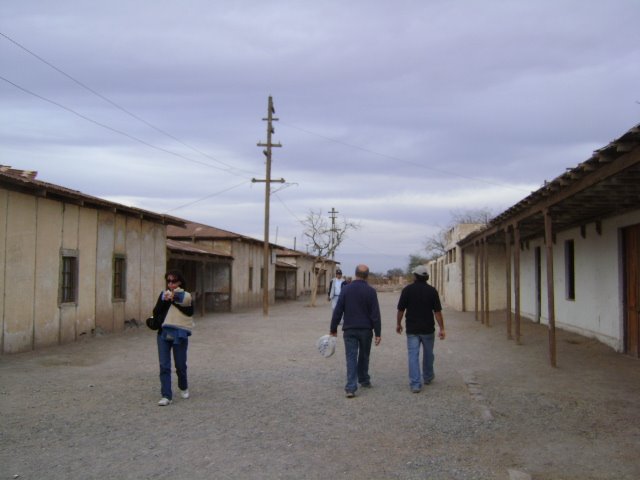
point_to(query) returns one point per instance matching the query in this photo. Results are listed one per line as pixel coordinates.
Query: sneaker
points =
(184, 393)
(351, 394)
(164, 402)
(416, 390)
(366, 385)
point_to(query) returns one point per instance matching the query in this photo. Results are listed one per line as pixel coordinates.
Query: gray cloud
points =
(394, 113)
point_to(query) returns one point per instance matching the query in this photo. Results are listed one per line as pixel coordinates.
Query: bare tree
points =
(436, 245)
(477, 215)
(323, 239)
(414, 261)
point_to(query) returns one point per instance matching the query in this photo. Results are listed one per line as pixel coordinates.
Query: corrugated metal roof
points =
(25, 182)
(194, 248)
(606, 184)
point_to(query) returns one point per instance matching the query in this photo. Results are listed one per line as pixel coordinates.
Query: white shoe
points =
(184, 393)
(164, 402)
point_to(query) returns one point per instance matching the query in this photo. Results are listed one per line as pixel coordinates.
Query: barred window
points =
(119, 277)
(69, 278)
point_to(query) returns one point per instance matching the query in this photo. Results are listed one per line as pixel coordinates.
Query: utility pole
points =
(333, 213)
(267, 196)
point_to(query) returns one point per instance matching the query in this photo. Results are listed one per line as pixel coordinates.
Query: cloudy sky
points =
(395, 113)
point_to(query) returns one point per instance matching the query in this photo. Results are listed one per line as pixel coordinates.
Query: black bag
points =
(154, 323)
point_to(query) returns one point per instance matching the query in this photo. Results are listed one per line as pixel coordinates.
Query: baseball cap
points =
(338, 271)
(421, 270)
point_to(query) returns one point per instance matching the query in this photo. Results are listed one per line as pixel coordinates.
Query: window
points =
(250, 279)
(569, 270)
(119, 277)
(69, 277)
(262, 278)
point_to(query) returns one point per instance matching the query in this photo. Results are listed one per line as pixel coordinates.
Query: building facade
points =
(71, 264)
(568, 255)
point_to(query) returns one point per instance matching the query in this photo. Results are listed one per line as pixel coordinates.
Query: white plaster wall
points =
(87, 240)
(19, 272)
(247, 255)
(103, 280)
(4, 201)
(68, 311)
(597, 310)
(33, 231)
(45, 294)
(452, 284)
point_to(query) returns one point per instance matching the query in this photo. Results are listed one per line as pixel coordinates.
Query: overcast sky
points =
(395, 113)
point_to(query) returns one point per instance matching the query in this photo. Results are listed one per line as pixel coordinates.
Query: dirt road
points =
(265, 404)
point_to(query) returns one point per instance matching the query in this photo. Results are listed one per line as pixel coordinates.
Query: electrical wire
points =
(205, 197)
(119, 107)
(384, 155)
(115, 130)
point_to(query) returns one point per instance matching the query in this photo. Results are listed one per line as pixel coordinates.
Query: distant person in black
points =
(421, 302)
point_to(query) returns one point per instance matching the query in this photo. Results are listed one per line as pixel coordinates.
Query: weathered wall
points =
(247, 255)
(20, 218)
(34, 232)
(597, 310)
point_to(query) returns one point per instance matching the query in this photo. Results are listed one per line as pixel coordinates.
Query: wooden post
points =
(266, 257)
(507, 238)
(548, 238)
(475, 277)
(516, 278)
(463, 275)
(486, 282)
(481, 281)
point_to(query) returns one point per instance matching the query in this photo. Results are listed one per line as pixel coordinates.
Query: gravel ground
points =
(265, 404)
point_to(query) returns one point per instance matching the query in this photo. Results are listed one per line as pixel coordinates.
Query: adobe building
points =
(568, 255)
(71, 264)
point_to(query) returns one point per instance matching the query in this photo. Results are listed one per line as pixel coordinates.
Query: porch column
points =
(463, 275)
(507, 239)
(481, 281)
(486, 282)
(516, 278)
(548, 238)
(475, 278)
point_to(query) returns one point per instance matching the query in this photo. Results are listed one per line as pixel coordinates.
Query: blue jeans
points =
(357, 347)
(180, 360)
(413, 349)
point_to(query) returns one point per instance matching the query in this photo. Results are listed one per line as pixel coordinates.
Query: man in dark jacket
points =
(358, 302)
(421, 301)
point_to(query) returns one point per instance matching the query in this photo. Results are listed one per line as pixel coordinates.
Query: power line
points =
(115, 130)
(287, 208)
(205, 197)
(373, 152)
(119, 107)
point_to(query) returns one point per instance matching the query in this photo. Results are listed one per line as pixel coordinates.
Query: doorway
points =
(631, 249)
(538, 280)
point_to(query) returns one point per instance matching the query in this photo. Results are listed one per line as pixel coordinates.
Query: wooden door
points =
(631, 237)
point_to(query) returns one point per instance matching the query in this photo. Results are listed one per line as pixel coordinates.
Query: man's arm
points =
(399, 316)
(377, 320)
(440, 320)
(337, 316)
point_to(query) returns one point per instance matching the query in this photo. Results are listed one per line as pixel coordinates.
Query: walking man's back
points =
(359, 309)
(421, 303)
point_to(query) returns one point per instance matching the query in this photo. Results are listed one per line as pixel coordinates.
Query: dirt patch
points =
(265, 404)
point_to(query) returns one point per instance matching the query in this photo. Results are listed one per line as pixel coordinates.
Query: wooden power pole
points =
(267, 196)
(333, 213)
